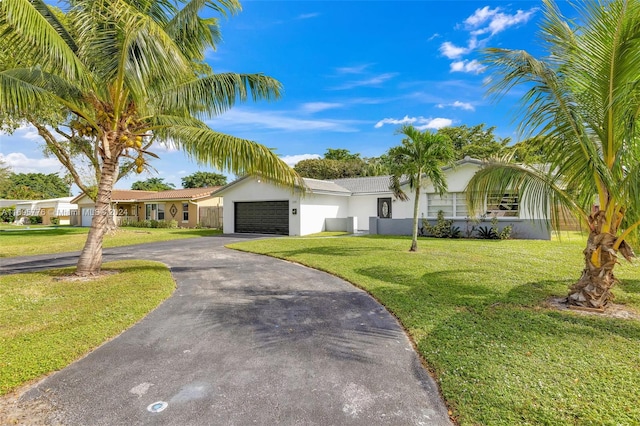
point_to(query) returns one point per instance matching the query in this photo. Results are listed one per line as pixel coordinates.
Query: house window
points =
(185, 212)
(154, 211)
(503, 205)
(453, 204)
(384, 208)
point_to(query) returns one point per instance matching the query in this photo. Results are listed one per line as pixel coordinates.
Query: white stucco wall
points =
(251, 190)
(314, 209)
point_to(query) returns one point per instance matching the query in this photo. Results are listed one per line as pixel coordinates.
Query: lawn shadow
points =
(450, 288)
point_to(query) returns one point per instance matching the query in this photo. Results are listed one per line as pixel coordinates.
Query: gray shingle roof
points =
(316, 185)
(370, 185)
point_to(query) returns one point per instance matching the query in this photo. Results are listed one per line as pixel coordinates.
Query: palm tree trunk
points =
(593, 289)
(90, 259)
(416, 205)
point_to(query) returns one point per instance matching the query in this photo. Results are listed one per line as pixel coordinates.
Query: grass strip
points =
(47, 322)
(26, 242)
(477, 311)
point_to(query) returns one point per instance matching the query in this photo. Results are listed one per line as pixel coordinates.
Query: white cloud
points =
(484, 22)
(421, 123)
(436, 123)
(480, 16)
(292, 160)
(372, 81)
(494, 21)
(20, 163)
(405, 120)
(358, 69)
(451, 51)
(311, 107)
(457, 104)
(239, 118)
(473, 67)
(308, 15)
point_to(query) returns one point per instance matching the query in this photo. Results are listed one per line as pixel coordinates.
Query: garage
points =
(87, 216)
(262, 217)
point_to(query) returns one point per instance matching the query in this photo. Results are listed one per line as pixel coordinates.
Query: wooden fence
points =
(211, 217)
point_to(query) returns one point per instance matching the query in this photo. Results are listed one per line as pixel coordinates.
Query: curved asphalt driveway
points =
(245, 339)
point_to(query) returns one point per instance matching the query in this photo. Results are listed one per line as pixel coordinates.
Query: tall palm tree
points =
(584, 100)
(124, 75)
(420, 157)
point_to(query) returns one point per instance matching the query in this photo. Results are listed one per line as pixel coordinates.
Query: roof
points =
(316, 185)
(128, 194)
(132, 195)
(180, 194)
(366, 185)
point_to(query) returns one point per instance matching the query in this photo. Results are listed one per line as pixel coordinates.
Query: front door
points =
(384, 208)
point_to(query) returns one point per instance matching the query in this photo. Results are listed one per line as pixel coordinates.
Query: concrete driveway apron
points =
(245, 339)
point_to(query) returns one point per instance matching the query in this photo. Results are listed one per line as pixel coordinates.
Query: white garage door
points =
(87, 216)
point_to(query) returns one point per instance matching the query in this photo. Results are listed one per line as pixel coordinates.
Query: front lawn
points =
(25, 242)
(47, 323)
(477, 311)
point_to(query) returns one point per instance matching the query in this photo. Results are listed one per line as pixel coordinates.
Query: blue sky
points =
(352, 71)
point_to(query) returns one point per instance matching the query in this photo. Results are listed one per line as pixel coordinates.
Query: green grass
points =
(46, 323)
(477, 312)
(25, 242)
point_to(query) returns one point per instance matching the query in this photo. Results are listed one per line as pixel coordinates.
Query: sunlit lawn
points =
(478, 313)
(24, 242)
(47, 323)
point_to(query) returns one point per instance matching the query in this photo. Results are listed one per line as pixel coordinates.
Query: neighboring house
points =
(59, 208)
(182, 205)
(363, 204)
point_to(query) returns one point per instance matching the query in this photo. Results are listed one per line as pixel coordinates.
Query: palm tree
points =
(420, 157)
(124, 76)
(584, 100)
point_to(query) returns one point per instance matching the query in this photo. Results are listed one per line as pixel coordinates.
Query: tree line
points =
(477, 141)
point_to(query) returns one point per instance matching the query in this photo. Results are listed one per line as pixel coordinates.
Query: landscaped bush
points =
(55, 221)
(35, 220)
(493, 233)
(171, 224)
(442, 229)
(7, 215)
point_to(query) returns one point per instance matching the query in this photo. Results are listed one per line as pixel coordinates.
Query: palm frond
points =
(31, 28)
(229, 153)
(538, 190)
(212, 95)
(192, 32)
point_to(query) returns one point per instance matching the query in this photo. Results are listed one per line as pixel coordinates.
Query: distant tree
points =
(377, 166)
(340, 154)
(322, 168)
(528, 151)
(152, 184)
(34, 186)
(340, 164)
(420, 157)
(203, 179)
(475, 142)
(5, 174)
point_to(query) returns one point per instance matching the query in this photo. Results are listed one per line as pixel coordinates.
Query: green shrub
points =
(442, 229)
(7, 215)
(55, 221)
(34, 220)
